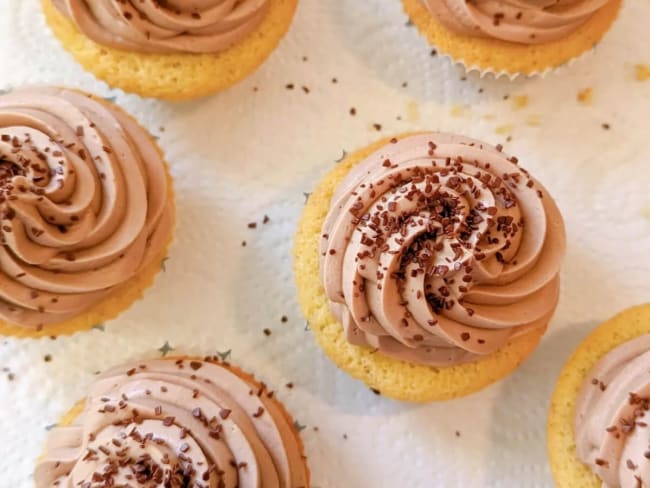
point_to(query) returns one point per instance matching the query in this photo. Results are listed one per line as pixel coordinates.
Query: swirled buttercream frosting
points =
(611, 419)
(172, 26)
(177, 424)
(521, 21)
(84, 203)
(438, 249)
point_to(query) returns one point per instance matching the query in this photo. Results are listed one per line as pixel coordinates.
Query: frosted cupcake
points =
(513, 36)
(175, 423)
(598, 433)
(175, 50)
(428, 265)
(87, 211)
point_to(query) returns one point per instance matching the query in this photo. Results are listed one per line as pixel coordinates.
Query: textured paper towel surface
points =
(256, 149)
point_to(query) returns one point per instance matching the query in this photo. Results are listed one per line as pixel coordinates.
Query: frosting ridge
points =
(83, 200)
(172, 26)
(520, 21)
(437, 249)
(611, 423)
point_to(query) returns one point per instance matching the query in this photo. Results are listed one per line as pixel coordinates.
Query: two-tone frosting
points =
(612, 430)
(84, 203)
(438, 249)
(520, 21)
(172, 26)
(175, 424)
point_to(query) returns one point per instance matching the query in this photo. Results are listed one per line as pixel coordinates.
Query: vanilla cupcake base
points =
(567, 468)
(175, 76)
(121, 298)
(70, 416)
(390, 377)
(509, 58)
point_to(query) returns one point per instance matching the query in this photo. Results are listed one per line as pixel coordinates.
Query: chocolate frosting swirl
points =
(155, 26)
(175, 424)
(522, 21)
(83, 203)
(438, 249)
(611, 421)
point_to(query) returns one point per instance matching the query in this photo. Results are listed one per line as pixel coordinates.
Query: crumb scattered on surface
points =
(252, 225)
(520, 101)
(606, 126)
(376, 126)
(534, 120)
(243, 243)
(289, 86)
(457, 111)
(267, 332)
(642, 72)
(586, 96)
(266, 219)
(457, 433)
(47, 358)
(305, 89)
(353, 111)
(284, 319)
(504, 129)
(335, 81)
(289, 385)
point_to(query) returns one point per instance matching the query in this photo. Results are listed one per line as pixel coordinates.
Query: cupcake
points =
(86, 210)
(427, 265)
(513, 36)
(174, 50)
(175, 423)
(598, 432)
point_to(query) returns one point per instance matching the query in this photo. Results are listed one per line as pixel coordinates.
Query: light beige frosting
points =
(438, 249)
(522, 21)
(83, 203)
(155, 26)
(611, 420)
(177, 424)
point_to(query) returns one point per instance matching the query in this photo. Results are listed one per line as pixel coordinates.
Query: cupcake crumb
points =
(47, 358)
(606, 126)
(642, 72)
(252, 225)
(376, 126)
(305, 89)
(289, 86)
(353, 111)
(520, 101)
(586, 96)
(284, 319)
(267, 332)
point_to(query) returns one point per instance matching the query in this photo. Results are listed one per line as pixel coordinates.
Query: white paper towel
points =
(257, 148)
